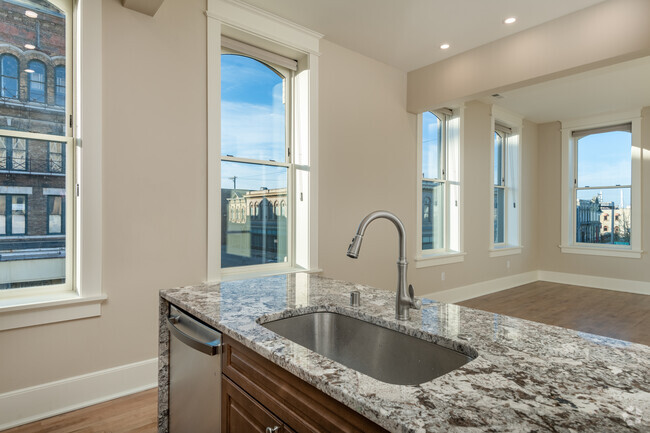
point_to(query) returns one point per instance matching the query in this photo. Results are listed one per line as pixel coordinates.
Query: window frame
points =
(288, 163)
(38, 306)
(445, 255)
(273, 35)
(511, 124)
(569, 178)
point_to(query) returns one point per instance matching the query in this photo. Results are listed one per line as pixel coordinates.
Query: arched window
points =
(59, 86)
(37, 79)
(9, 76)
(250, 210)
(275, 209)
(283, 209)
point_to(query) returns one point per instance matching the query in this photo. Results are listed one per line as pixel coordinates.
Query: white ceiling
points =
(407, 34)
(621, 87)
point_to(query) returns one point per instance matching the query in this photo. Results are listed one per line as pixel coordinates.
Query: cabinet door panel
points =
(242, 414)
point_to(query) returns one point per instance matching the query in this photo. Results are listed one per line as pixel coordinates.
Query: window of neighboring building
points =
(55, 211)
(13, 153)
(59, 86)
(55, 159)
(505, 182)
(9, 76)
(37, 80)
(603, 179)
(439, 189)
(13, 214)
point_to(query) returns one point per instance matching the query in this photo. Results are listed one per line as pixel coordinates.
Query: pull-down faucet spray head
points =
(355, 246)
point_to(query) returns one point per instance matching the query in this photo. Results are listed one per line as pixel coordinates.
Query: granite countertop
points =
(527, 376)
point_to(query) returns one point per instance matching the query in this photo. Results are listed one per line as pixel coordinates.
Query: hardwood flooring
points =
(625, 316)
(136, 413)
(613, 314)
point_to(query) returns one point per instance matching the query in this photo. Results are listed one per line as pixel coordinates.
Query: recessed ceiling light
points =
(510, 20)
(31, 14)
(29, 71)
(30, 46)
(444, 46)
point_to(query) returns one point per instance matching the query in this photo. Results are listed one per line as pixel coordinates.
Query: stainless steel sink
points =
(381, 353)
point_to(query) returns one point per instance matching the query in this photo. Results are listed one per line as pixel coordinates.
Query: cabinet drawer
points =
(243, 414)
(298, 404)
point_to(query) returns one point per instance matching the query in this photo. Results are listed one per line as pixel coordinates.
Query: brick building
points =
(32, 171)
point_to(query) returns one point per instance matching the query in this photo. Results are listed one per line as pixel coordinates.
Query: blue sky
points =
(252, 123)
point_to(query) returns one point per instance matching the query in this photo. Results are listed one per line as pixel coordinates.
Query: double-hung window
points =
(256, 167)
(262, 141)
(35, 133)
(439, 189)
(505, 181)
(601, 206)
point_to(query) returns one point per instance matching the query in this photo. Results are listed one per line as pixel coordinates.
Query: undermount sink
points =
(381, 353)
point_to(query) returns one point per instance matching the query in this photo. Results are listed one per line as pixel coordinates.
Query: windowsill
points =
(602, 251)
(247, 275)
(20, 312)
(504, 251)
(437, 259)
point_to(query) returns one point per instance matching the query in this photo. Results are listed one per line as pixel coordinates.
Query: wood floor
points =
(613, 314)
(625, 316)
(136, 413)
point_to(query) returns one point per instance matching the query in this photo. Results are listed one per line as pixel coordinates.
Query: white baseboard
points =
(43, 401)
(629, 286)
(470, 291)
(460, 294)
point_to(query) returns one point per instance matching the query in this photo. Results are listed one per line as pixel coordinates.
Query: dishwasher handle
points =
(202, 346)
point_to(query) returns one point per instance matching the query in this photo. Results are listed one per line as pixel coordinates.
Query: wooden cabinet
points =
(257, 394)
(241, 413)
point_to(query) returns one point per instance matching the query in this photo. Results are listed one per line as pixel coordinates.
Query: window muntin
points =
(37, 79)
(603, 187)
(439, 183)
(35, 136)
(8, 76)
(256, 169)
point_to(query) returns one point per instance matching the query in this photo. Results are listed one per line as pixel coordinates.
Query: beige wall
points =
(367, 160)
(549, 164)
(603, 34)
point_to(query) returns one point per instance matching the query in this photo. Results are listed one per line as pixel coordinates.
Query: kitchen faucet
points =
(403, 301)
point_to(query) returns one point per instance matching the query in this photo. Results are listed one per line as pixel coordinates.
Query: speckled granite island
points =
(527, 376)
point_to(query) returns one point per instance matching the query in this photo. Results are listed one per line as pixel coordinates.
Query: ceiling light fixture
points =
(29, 71)
(31, 14)
(30, 46)
(510, 20)
(444, 46)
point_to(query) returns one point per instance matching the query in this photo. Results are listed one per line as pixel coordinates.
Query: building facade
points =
(32, 171)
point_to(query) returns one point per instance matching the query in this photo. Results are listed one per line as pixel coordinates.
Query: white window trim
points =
(515, 123)
(568, 244)
(41, 306)
(252, 25)
(427, 258)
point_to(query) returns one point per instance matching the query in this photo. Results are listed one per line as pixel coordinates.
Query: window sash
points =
(444, 179)
(287, 163)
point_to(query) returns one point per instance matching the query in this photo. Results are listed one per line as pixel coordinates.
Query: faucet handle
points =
(415, 303)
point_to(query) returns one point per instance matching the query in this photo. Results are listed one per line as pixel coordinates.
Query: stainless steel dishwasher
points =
(194, 375)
